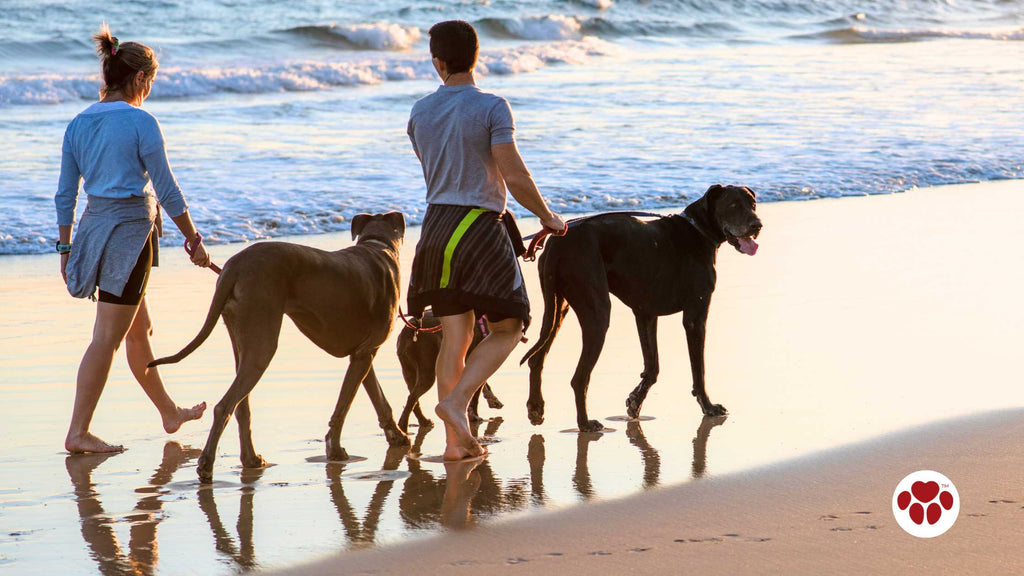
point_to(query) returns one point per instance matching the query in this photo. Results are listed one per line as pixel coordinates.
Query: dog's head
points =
(731, 210)
(388, 228)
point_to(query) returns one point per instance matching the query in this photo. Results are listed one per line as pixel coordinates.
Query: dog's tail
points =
(225, 286)
(555, 307)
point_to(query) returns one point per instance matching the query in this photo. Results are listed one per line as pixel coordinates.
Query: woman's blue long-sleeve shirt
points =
(118, 150)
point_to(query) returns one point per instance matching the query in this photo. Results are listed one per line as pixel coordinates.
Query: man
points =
(465, 261)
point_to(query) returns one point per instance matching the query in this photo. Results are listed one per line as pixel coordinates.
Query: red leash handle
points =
(190, 249)
(539, 239)
(417, 330)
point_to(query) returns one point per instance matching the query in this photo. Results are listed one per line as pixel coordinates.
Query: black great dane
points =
(656, 268)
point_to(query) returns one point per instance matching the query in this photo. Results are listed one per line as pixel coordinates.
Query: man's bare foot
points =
(183, 415)
(456, 453)
(455, 417)
(88, 443)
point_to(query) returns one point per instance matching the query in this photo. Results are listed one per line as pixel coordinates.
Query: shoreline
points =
(829, 508)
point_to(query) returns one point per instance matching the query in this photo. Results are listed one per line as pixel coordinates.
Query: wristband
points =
(63, 248)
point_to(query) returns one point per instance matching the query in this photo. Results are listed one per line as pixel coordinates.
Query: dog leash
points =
(190, 249)
(538, 239)
(416, 329)
(481, 323)
(537, 244)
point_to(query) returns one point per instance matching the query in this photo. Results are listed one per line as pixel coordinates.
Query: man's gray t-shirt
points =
(452, 131)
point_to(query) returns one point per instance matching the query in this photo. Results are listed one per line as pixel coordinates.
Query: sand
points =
(830, 513)
(860, 321)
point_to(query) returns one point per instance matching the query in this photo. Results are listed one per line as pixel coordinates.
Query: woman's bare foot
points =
(88, 443)
(183, 415)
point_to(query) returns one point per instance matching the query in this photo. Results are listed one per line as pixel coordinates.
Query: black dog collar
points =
(699, 228)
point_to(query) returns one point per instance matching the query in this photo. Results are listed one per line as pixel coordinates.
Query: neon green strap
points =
(449, 250)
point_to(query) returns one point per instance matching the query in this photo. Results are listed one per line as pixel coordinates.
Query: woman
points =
(118, 150)
(465, 261)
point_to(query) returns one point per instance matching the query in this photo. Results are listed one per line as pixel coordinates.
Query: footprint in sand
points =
(847, 515)
(848, 529)
(838, 515)
(733, 537)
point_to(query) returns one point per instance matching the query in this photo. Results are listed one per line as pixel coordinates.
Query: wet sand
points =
(858, 319)
(828, 513)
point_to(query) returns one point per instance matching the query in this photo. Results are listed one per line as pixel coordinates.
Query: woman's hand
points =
(64, 266)
(200, 257)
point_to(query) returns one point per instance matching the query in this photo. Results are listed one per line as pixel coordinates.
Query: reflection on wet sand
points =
(430, 498)
(581, 475)
(535, 455)
(468, 491)
(652, 462)
(700, 444)
(98, 526)
(243, 553)
(363, 533)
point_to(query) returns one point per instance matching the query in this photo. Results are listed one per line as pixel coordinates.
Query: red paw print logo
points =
(925, 504)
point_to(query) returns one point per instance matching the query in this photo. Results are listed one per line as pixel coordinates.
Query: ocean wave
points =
(598, 4)
(549, 27)
(559, 27)
(44, 49)
(865, 35)
(382, 36)
(302, 76)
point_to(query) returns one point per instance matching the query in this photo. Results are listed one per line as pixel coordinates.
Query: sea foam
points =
(296, 76)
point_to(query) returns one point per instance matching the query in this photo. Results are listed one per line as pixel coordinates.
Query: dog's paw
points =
(396, 437)
(205, 476)
(338, 454)
(632, 407)
(204, 468)
(535, 413)
(256, 461)
(494, 404)
(715, 410)
(426, 424)
(591, 426)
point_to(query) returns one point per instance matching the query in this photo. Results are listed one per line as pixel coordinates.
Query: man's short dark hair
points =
(454, 42)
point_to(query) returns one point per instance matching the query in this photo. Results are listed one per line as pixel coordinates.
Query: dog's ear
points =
(358, 221)
(397, 221)
(701, 207)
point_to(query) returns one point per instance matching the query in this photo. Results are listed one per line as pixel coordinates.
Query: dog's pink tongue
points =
(748, 246)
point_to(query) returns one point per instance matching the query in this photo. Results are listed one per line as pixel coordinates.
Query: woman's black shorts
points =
(135, 289)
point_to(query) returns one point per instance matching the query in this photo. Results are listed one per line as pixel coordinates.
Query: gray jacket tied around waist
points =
(110, 238)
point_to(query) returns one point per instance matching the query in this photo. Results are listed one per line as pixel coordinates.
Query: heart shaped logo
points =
(925, 491)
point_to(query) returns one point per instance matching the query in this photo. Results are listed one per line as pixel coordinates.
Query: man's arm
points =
(521, 185)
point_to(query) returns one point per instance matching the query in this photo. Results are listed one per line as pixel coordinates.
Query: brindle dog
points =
(344, 301)
(656, 268)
